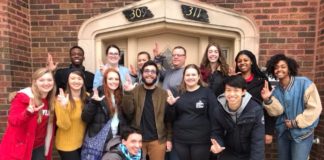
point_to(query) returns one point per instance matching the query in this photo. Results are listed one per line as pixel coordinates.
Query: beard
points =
(149, 83)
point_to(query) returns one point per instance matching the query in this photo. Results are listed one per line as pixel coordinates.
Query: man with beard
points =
(144, 106)
(77, 58)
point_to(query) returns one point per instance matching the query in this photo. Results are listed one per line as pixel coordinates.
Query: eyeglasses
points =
(113, 53)
(178, 55)
(147, 71)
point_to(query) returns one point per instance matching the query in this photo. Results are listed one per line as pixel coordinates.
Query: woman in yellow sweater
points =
(68, 109)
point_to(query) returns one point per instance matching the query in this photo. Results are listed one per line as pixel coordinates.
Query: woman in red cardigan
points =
(30, 121)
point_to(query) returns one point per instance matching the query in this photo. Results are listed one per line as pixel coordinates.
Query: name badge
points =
(199, 104)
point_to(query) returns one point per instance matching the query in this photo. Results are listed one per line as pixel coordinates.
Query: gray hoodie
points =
(112, 152)
(236, 114)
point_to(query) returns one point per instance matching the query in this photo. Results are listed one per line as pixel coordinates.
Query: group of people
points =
(159, 111)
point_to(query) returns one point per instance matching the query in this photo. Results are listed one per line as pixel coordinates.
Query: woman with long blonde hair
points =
(30, 121)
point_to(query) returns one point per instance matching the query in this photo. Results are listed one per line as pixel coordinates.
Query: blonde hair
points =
(37, 94)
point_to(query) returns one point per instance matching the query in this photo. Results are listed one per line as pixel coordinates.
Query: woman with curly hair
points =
(247, 66)
(214, 68)
(296, 103)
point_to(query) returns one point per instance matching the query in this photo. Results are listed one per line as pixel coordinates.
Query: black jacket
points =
(254, 88)
(96, 114)
(61, 78)
(216, 83)
(242, 137)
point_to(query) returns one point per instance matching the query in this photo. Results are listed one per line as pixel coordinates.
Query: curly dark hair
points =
(254, 67)
(273, 61)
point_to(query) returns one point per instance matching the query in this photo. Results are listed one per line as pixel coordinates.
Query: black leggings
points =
(192, 151)
(38, 153)
(70, 155)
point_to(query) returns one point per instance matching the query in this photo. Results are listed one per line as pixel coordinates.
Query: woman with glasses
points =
(112, 58)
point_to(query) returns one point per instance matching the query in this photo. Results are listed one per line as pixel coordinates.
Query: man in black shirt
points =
(144, 106)
(77, 58)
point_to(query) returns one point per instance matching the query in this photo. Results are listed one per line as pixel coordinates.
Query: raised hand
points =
(132, 70)
(50, 63)
(95, 95)
(32, 106)
(102, 68)
(265, 92)
(231, 71)
(128, 85)
(215, 147)
(156, 50)
(62, 98)
(171, 99)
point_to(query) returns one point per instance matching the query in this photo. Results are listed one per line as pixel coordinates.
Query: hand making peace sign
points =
(96, 96)
(62, 98)
(32, 106)
(265, 92)
(171, 99)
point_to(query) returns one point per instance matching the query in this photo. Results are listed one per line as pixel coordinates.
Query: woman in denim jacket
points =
(296, 103)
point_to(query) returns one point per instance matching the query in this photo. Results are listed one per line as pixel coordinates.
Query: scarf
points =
(128, 156)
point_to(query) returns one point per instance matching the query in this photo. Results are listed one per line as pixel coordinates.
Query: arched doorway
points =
(168, 25)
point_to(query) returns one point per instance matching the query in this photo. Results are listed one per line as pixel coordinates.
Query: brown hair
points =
(117, 93)
(221, 62)
(183, 86)
(37, 95)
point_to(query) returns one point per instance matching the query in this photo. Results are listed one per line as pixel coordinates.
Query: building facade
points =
(29, 29)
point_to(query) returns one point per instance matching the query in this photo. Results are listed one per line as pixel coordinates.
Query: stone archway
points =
(169, 25)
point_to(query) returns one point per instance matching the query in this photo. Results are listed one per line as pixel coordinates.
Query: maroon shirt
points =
(42, 127)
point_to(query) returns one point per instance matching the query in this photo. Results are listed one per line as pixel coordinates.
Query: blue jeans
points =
(288, 149)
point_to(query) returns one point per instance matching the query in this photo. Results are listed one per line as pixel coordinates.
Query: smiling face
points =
(141, 59)
(149, 76)
(76, 56)
(244, 63)
(178, 58)
(191, 78)
(212, 54)
(113, 80)
(133, 143)
(233, 96)
(281, 70)
(113, 56)
(75, 82)
(45, 83)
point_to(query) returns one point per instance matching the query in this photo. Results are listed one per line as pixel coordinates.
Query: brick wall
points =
(55, 25)
(15, 59)
(29, 29)
(319, 80)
